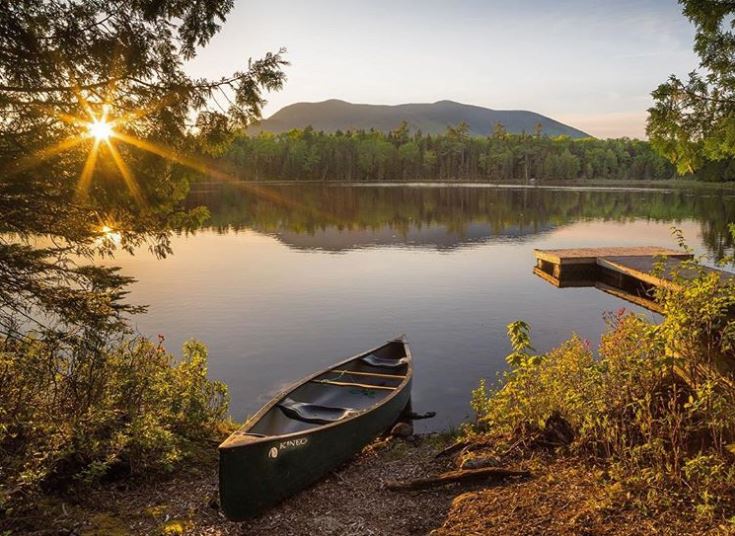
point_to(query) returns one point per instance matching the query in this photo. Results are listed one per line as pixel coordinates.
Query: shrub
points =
(657, 402)
(78, 413)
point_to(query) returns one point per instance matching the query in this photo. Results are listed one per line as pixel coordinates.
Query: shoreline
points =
(563, 495)
(350, 500)
(592, 184)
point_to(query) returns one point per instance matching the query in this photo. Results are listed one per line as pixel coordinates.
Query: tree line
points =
(402, 155)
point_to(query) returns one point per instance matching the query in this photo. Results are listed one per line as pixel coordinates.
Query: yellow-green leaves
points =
(519, 333)
(655, 406)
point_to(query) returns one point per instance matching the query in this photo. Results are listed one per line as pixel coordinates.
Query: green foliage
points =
(75, 407)
(693, 122)
(656, 404)
(62, 65)
(455, 155)
(78, 414)
(519, 333)
(480, 401)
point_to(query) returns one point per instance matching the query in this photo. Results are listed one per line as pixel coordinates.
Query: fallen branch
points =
(491, 460)
(479, 445)
(492, 474)
(479, 463)
(464, 446)
(451, 449)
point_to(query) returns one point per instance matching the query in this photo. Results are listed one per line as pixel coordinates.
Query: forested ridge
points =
(430, 118)
(403, 155)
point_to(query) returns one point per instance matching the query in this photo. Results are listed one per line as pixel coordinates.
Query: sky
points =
(591, 64)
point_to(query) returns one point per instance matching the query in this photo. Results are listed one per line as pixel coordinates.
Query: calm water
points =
(289, 279)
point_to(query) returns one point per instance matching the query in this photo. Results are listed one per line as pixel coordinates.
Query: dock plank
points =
(630, 273)
(655, 271)
(590, 255)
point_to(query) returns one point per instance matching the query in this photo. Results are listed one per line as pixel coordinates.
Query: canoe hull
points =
(257, 475)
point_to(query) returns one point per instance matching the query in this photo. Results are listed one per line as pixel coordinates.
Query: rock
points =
(327, 525)
(557, 430)
(402, 429)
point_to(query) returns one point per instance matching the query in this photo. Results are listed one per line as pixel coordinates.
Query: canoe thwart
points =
(351, 384)
(373, 374)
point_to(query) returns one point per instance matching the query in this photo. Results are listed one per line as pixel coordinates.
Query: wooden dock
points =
(630, 273)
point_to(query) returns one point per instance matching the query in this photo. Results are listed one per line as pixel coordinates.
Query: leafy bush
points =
(75, 414)
(657, 402)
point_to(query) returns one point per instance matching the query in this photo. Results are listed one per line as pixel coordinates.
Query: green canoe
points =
(312, 427)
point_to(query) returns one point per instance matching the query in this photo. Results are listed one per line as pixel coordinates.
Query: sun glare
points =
(104, 134)
(108, 234)
(100, 129)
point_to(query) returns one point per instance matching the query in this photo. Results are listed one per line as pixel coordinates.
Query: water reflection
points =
(448, 266)
(339, 217)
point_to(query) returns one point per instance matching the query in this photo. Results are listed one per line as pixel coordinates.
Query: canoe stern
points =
(257, 474)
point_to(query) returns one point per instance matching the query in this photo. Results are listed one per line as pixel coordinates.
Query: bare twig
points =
(491, 474)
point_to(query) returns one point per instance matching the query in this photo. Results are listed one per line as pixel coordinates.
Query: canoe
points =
(312, 427)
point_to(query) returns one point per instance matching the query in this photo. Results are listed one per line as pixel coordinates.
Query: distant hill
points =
(332, 115)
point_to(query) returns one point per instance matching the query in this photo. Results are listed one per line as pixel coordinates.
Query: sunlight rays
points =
(127, 175)
(85, 178)
(100, 129)
(27, 162)
(105, 132)
(202, 167)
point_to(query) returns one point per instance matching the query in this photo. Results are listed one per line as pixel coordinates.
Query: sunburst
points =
(100, 130)
(106, 131)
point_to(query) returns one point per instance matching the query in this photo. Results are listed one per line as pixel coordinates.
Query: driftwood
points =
(451, 449)
(464, 446)
(492, 474)
(478, 445)
(480, 462)
(490, 460)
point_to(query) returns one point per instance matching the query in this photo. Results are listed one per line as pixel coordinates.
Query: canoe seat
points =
(375, 361)
(314, 413)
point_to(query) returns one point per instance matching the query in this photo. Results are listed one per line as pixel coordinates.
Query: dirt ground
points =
(562, 497)
(350, 501)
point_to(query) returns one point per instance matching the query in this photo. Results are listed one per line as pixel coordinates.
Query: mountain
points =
(332, 115)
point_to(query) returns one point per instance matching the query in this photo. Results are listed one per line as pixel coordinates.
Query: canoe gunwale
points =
(240, 437)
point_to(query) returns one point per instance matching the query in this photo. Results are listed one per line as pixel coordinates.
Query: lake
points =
(287, 279)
